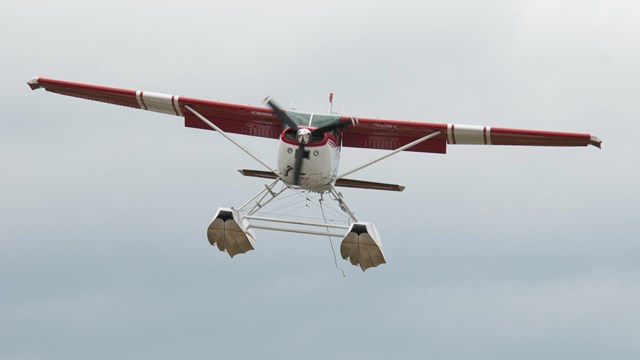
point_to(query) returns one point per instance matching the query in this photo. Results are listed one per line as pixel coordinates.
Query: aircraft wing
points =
(240, 119)
(392, 134)
(368, 133)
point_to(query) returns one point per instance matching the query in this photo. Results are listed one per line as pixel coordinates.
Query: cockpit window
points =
(306, 119)
(313, 120)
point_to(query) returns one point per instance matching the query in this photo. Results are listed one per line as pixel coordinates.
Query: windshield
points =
(318, 120)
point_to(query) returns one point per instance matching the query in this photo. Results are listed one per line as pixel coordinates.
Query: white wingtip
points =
(595, 141)
(33, 83)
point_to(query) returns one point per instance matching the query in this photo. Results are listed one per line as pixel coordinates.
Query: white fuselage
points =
(320, 161)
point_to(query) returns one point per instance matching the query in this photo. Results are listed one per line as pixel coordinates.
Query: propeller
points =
(303, 135)
(298, 167)
(335, 126)
(282, 115)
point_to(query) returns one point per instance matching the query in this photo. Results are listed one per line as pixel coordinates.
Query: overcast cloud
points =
(493, 252)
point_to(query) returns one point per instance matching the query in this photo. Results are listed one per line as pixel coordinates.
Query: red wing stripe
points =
(173, 104)
(503, 136)
(367, 133)
(122, 97)
(144, 106)
(139, 100)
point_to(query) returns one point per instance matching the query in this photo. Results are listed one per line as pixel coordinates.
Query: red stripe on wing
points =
(503, 136)
(104, 94)
(367, 133)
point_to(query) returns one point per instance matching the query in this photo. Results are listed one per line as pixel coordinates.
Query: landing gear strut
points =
(277, 208)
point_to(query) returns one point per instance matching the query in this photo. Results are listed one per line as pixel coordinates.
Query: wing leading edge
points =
(368, 133)
(391, 134)
(240, 119)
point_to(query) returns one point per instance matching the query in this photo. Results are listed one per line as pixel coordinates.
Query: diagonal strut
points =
(216, 128)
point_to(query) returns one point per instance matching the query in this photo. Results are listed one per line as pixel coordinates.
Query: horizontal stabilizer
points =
(340, 182)
(368, 185)
(258, 173)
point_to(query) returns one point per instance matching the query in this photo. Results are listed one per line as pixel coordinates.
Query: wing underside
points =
(391, 134)
(234, 118)
(368, 133)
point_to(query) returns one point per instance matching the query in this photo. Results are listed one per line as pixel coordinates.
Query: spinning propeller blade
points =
(335, 126)
(282, 115)
(286, 120)
(298, 167)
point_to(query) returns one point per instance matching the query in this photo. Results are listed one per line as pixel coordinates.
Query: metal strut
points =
(249, 211)
(259, 204)
(343, 205)
(402, 148)
(267, 189)
(216, 128)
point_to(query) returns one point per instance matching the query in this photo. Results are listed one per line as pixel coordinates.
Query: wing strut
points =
(402, 148)
(214, 127)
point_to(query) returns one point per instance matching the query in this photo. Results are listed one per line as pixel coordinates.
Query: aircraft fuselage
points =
(320, 160)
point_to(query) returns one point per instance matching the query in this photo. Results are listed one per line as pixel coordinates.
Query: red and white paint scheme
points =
(309, 151)
(321, 158)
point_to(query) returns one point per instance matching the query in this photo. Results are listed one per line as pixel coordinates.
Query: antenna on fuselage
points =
(330, 102)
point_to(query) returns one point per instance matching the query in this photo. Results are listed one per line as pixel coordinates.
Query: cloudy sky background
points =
(493, 252)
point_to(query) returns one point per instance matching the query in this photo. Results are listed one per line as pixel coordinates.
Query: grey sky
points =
(493, 252)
